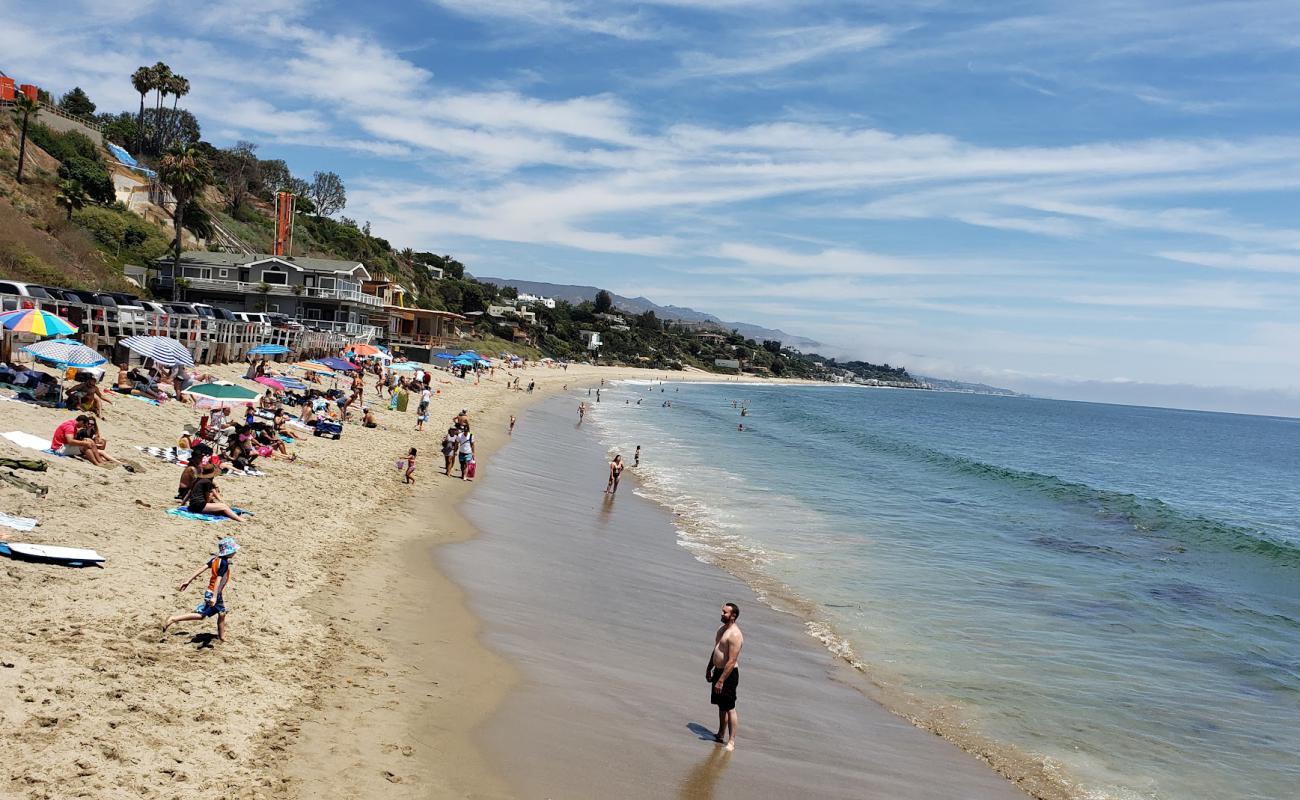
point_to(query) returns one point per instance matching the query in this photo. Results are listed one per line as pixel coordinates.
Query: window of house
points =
(273, 308)
(313, 313)
(203, 273)
(223, 273)
(325, 283)
(274, 277)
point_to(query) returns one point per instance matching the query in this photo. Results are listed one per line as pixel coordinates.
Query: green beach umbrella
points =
(221, 394)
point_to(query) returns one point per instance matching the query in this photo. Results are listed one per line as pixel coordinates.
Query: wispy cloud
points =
(774, 50)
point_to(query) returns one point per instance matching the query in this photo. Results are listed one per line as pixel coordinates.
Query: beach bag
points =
(471, 468)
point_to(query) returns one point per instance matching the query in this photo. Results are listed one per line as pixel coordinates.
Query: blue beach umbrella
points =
(268, 350)
(338, 364)
(65, 353)
(405, 366)
(446, 356)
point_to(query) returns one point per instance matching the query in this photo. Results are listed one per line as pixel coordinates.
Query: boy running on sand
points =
(220, 570)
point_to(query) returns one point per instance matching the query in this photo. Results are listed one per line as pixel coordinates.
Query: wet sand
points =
(609, 625)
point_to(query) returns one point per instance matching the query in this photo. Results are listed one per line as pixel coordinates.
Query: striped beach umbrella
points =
(163, 350)
(33, 320)
(312, 366)
(268, 350)
(65, 353)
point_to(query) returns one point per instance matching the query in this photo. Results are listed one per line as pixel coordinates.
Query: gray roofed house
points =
(321, 292)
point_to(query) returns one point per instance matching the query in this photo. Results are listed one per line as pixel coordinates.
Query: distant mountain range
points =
(945, 385)
(640, 305)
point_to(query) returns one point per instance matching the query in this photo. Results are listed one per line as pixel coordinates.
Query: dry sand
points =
(351, 668)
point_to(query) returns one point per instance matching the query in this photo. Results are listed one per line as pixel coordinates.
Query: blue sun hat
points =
(227, 546)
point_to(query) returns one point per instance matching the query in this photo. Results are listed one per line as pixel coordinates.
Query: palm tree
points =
(185, 172)
(162, 75)
(177, 86)
(142, 80)
(27, 107)
(71, 196)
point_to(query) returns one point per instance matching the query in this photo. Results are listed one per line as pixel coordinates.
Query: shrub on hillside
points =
(92, 175)
(123, 234)
(62, 144)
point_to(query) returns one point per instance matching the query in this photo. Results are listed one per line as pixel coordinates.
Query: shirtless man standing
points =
(724, 675)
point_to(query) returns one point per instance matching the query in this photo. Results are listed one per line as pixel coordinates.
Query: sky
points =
(1085, 200)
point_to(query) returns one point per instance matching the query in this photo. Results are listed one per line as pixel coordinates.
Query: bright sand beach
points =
(351, 668)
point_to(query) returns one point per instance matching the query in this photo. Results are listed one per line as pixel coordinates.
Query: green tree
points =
(26, 109)
(604, 302)
(328, 193)
(91, 174)
(185, 172)
(772, 346)
(77, 102)
(71, 196)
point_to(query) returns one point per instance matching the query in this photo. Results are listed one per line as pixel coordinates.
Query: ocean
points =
(1101, 598)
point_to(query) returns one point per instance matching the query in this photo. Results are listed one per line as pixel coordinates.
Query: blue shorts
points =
(465, 458)
(210, 606)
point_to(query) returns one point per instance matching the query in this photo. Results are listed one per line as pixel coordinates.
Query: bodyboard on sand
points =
(72, 556)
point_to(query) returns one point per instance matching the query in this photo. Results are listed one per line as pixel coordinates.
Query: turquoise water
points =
(1106, 597)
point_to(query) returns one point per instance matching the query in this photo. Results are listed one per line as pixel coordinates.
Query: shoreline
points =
(396, 713)
(1034, 775)
(633, 554)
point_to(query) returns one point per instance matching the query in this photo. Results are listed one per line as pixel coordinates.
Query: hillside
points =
(640, 305)
(69, 224)
(38, 243)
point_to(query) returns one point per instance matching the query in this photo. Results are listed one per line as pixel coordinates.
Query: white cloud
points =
(1262, 262)
(784, 48)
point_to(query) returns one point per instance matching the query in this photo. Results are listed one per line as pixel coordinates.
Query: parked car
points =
(180, 309)
(130, 314)
(283, 322)
(21, 295)
(204, 310)
(224, 314)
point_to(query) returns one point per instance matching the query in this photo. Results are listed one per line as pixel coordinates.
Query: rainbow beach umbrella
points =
(33, 320)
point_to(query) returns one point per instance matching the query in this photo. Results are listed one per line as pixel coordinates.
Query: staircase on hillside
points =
(228, 241)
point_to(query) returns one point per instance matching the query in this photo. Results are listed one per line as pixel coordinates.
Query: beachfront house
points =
(321, 293)
(591, 339)
(417, 331)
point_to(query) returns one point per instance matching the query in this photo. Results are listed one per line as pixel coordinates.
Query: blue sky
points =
(1092, 200)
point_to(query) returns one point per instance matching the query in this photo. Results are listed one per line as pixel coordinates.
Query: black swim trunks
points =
(725, 700)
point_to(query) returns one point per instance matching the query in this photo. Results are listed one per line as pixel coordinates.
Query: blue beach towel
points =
(185, 513)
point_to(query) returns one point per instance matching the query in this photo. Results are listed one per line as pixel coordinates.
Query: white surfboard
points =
(52, 553)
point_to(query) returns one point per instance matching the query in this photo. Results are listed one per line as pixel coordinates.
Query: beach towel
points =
(29, 441)
(167, 454)
(148, 400)
(17, 523)
(185, 513)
